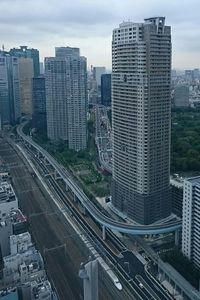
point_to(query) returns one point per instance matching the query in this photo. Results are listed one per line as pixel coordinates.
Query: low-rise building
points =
(8, 199)
(13, 223)
(22, 274)
(9, 294)
(20, 243)
(23, 267)
(6, 230)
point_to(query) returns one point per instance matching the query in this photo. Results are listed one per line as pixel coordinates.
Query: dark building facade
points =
(9, 89)
(39, 104)
(106, 89)
(177, 197)
(25, 52)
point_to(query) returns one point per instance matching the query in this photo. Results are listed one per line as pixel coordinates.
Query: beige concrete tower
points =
(141, 105)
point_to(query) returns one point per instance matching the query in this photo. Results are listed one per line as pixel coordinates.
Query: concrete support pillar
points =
(56, 175)
(177, 237)
(175, 290)
(46, 162)
(150, 236)
(161, 275)
(74, 197)
(83, 210)
(38, 153)
(89, 273)
(104, 233)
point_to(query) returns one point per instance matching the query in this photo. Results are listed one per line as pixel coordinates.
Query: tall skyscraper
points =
(106, 89)
(39, 104)
(77, 104)
(10, 110)
(26, 75)
(57, 85)
(26, 52)
(191, 220)
(141, 105)
(66, 97)
(97, 72)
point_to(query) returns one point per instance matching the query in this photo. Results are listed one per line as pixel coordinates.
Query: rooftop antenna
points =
(3, 48)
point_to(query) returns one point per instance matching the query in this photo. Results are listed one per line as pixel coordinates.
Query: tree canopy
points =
(185, 146)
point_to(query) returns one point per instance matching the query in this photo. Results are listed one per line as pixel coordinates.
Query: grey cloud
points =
(73, 12)
(42, 21)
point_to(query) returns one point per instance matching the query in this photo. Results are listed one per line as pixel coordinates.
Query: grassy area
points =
(182, 264)
(82, 163)
(185, 151)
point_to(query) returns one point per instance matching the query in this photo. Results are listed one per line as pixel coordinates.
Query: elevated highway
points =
(104, 220)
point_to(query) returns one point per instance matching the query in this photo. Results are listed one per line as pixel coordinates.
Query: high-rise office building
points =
(181, 96)
(66, 97)
(106, 89)
(41, 68)
(196, 73)
(25, 52)
(26, 75)
(191, 220)
(10, 110)
(189, 75)
(141, 106)
(67, 52)
(97, 72)
(39, 104)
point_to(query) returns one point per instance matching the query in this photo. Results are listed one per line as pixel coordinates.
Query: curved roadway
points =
(90, 207)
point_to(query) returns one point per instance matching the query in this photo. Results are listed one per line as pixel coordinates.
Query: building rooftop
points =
(9, 294)
(20, 243)
(194, 180)
(128, 23)
(41, 289)
(23, 267)
(177, 182)
(17, 216)
(6, 193)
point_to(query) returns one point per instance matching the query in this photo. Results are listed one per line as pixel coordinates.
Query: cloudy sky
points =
(88, 24)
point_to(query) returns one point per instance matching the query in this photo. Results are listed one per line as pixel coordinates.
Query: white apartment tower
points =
(191, 220)
(66, 97)
(141, 105)
(56, 75)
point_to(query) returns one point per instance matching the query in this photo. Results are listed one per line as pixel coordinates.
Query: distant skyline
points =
(88, 24)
